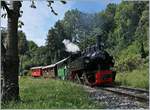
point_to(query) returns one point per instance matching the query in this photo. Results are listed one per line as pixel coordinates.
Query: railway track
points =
(138, 94)
(117, 99)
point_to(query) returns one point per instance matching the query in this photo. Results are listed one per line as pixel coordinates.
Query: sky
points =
(38, 21)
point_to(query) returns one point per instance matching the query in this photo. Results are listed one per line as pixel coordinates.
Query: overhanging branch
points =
(4, 4)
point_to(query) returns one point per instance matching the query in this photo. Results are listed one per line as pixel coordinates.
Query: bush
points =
(136, 78)
(129, 59)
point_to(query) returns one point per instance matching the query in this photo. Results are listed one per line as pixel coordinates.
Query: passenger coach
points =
(36, 71)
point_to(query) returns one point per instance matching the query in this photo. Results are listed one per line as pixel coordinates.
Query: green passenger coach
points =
(62, 72)
(62, 68)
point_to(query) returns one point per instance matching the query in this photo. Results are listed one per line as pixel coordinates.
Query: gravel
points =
(114, 101)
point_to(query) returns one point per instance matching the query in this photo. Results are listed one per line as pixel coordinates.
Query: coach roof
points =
(38, 67)
(49, 66)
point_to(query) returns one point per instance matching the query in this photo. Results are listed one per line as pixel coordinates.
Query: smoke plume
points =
(70, 47)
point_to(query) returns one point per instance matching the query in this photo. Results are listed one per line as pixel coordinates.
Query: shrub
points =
(136, 78)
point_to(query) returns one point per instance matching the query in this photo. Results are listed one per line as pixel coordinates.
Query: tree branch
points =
(4, 4)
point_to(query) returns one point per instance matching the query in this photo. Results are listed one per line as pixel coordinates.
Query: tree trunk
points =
(10, 84)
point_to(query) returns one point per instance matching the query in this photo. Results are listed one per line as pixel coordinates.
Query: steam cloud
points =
(70, 47)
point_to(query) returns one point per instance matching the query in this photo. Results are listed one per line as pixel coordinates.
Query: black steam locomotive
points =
(94, 66)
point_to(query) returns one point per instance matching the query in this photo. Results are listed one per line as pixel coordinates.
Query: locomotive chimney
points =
(98, 38)
(100, 44)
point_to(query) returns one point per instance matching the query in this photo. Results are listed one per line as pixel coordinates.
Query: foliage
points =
(22, 44)
(32, 45)
(56, 49)
(136, 78)
(120, 25)
(128, 55)
(132, 69)
(35, 56)
(51, 94)
(142, 30)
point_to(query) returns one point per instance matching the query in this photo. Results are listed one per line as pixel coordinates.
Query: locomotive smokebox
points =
(75, 55)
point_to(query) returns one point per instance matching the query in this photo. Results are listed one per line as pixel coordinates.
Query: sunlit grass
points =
(51, 94)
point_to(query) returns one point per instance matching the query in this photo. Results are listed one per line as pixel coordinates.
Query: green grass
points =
(51, 94)
(137, 78)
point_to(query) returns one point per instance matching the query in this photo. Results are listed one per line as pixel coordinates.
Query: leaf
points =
(4, 15)
(33, 4)
(51, 1)
(21, 11)
(63, 1)
(52, 10)
(20, 24)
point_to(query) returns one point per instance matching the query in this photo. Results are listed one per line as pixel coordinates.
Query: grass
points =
(51, 94)
(137, 78)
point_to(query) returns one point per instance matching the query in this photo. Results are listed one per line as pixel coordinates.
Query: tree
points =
(10, 86)
(22, 43)
(32, 45)
(52, 44)
(141, 32)
(61, 34)
(3, 35)
(78, 24)
(142, 51)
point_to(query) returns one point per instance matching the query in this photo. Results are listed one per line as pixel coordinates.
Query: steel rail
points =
(136, 89)
(128, 94)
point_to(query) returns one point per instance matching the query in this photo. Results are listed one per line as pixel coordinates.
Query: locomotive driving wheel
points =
(77, 79)
(86, 79)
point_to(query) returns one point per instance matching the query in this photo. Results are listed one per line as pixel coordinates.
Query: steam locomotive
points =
(94, 66)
